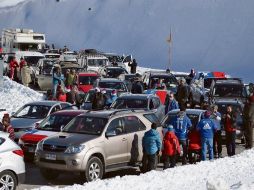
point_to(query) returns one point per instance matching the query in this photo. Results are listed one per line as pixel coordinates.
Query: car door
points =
(135, 130)
(116, 146)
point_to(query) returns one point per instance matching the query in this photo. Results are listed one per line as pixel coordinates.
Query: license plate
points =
(50, 156)
(31, 149)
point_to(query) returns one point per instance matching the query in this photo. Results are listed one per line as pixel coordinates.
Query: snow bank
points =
(207, 34)
(222, 174)
(8, 3)
(14, 95)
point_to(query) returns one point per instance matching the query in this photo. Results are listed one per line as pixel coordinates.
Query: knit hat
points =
(103, 91)
(170, 127)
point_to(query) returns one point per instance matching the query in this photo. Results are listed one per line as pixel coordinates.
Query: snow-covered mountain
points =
(207, 34)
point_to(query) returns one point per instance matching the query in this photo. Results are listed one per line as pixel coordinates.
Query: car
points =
(231, 88)
(195, 116)
(150, 78)
(111, 83)
(87, 104)
(237, 108)
(127, 78)
(86, 80)
(140, 101)
(95, 143)
(12, 166)
(51, 125)
(111, 71)
(28, 115)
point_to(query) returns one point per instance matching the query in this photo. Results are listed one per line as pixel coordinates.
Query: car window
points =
(130, 103)
(116, 127)
(133, 124)
(152, 118)
(1, 141)
(32, 112)
(55, 109)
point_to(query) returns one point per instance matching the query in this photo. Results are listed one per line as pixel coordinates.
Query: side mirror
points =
(110, 134)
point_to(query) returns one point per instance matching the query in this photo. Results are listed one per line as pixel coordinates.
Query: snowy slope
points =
(207, 34)
(14, 95)
(222, 174)
(8, 3)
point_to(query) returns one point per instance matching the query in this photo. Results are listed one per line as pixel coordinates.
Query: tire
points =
(94, 169)
(8, 180)
(49, 174)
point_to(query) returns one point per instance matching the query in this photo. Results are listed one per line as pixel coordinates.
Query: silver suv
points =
(94, 143)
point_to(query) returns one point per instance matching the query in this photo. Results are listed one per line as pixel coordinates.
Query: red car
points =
(48, 127)
(86, 80)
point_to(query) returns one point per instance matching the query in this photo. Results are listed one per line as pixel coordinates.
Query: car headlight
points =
(74, 149)
(39, 146)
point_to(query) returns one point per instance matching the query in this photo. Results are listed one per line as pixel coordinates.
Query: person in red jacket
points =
(171, 148)
(14, 69)
(61, 96)
(7, 126)
(230, 129)
(194, 145)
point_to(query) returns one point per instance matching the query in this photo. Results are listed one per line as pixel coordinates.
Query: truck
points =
(14, 40)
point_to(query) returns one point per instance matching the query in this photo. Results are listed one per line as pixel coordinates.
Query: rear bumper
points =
(21, 178)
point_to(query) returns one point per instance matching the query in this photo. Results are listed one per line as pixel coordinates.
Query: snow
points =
(207, 34)
(14, 95)
(8, 3)
(222, 174)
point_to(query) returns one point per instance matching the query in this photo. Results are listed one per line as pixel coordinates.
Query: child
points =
(194, 145)
(171, 148)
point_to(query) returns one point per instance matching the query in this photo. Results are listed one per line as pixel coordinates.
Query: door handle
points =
(124, 139)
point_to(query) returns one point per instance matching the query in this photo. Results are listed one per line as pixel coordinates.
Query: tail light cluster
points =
(19, 152)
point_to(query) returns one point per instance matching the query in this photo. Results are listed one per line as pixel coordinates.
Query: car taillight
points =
(19, 152)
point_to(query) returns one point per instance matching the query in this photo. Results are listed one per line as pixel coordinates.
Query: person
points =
(6, 121)
(248, 119)
(73, 96)
(170, 103)
(207, 127)
(112, 98)
(192, 74)
(21, 65)
(182, 125)
(14, 69)
(230, 129)
(182, 93)
(217, 141)
(151, 144)
(194, 145)
(61, 95)
(137, 87)
(114, 63)
(25, 74)
(98, 101)
(133, 66)
(171, 148)
(70, 78)
(58, 79)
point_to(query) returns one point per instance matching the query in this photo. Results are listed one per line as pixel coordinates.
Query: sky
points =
(208, 35)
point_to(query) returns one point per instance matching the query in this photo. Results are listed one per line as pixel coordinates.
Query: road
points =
(35, 180)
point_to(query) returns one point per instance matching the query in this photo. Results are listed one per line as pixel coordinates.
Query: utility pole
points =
(170, 42)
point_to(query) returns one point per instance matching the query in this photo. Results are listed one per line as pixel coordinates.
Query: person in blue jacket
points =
(207, 127)
(58, 79)
(182, 125)
(170, 103)
(112, 98)
(151, 144)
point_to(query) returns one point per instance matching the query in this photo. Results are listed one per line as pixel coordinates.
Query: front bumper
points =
(21, 178)
(59, 161)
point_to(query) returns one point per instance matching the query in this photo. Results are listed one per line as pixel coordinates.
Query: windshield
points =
(193, 117)
(228, 91)
(87, 80)
(97, 62)
(32, 112)
(130, 103)
(112, 85)
(32, 60)
(86, 125)
(169, 81)
(54, 122)
(115, 72)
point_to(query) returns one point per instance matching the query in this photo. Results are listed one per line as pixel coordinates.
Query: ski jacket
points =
(151, 142)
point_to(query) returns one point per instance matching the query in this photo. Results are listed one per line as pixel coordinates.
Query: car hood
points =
(67, 139)
(36, 135)
(23, 122)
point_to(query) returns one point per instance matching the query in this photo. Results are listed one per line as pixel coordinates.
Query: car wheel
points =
(8, 180)
(94, 169)
(49, 174)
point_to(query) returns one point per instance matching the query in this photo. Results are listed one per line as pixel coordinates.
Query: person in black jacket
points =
(133, 66)
(137, 87)
(182, 93)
